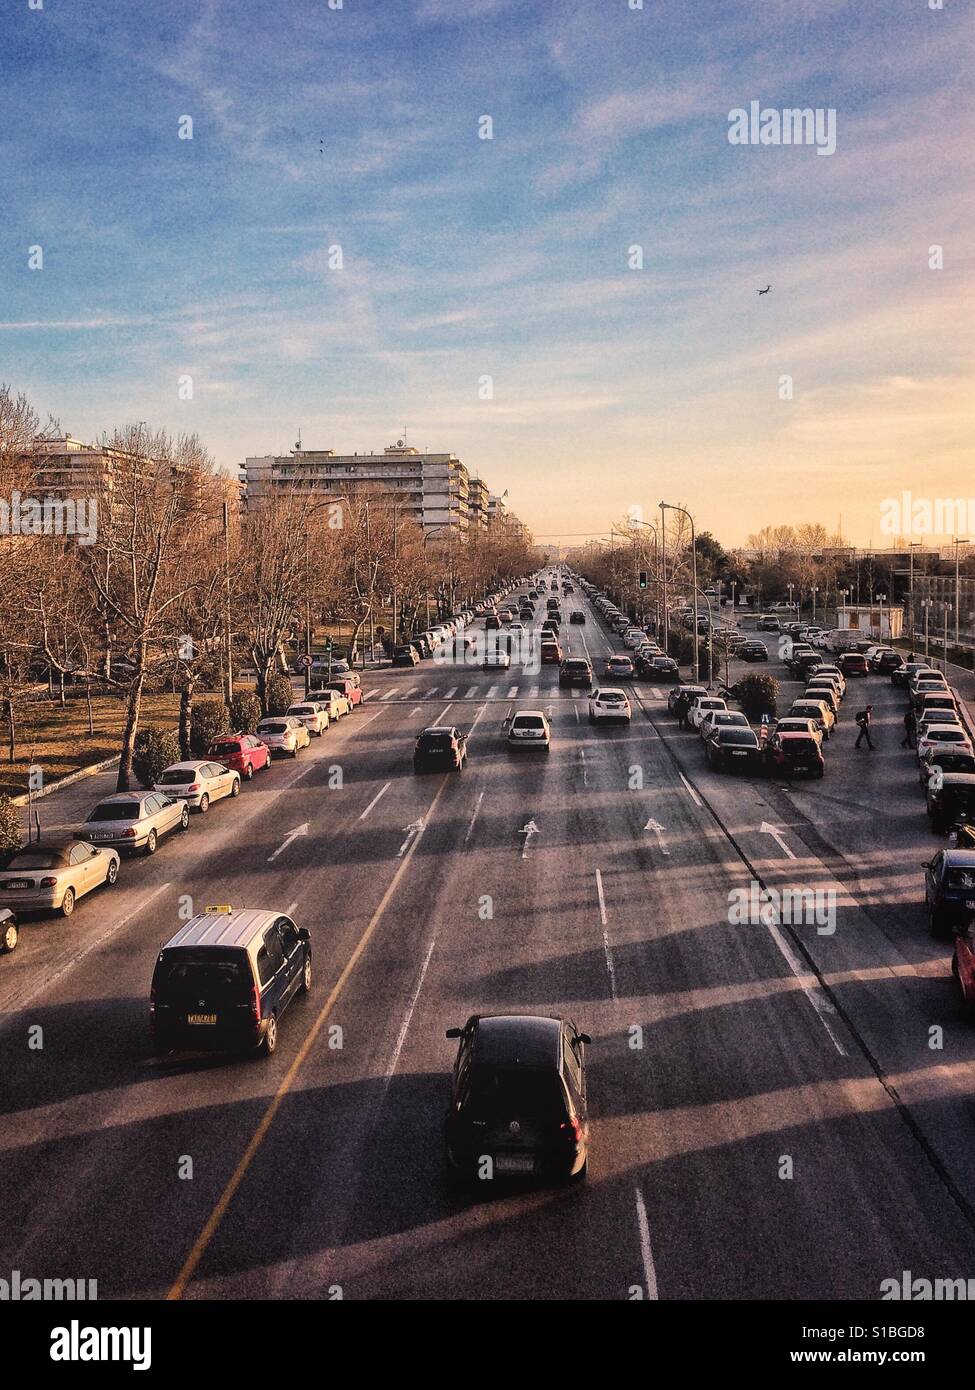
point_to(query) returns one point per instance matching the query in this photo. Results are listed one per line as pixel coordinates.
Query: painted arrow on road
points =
(299, 830)
(658, 830)
(411, 833)
(528, 831)
(776, 835)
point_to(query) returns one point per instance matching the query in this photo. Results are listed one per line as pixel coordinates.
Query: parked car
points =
(313, 715)
(223, 982)
(950, 738)
(9, 933)
(691, 691)
(937, 764)
(342, 685)
(731, 748)
(885, 660)
(699, 707)
(199, 783)
(440, 748)
(134, 820)
(244, 753)
(518, 1105)
(949, 889)
(818, 711)
(407, 655)
(853, 664)
(658, 668)
(284, 734)
(721, 719)
(51, 875)
(950, 797)
(792, 752)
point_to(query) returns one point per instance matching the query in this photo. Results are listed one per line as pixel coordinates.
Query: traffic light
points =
(643, 579)
(328, 644)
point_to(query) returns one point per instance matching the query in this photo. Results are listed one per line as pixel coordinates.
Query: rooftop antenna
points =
(298, 440)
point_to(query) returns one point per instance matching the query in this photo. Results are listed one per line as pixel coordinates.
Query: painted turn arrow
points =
(300, 830)
(777, 837)
(658, 830)
(528, 831)
(411, 833)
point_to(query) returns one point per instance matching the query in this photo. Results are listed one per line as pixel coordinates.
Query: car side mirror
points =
(583, 1038)
(304, 934)
(454, 1033)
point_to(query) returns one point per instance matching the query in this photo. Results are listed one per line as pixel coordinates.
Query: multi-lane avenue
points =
(776, 1112)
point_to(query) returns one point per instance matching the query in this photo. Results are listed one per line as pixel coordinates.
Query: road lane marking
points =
(293, 835)
(412, 832)
(656, 693)
(202, 1242)
(528, 831)
(607, 950)
(776, 835)
(813, 993)
(289, 910)
(694, 796)
(368, 695)
(646, 1253)
(366, 724)
(512, 692)
(401, 1039)
(492, 690)
(470, 828)
(658, 830)
(390, 693)
(441, 715)
(451, 693)
(471, 692)
(385, 787)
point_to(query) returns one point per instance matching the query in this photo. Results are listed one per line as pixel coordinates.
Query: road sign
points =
(304, 662)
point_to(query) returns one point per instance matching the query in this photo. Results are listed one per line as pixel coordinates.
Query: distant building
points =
(478, 498)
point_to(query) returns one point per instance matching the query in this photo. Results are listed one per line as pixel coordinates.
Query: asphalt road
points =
(770, 1118)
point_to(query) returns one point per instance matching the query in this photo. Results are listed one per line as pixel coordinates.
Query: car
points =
(689, 690)
(936, 700)
(929, 686)
(517, 627)
(518, 1105)
(342, 685)
(619, 666)
(905, 673)
(963, 966)
(439, 748)
(753, 651)
(824, 692)
(943, 737)
(885, 660)
(767, 624)
(405, 656)
(950, 797)
(790, 724)
(939, 763)
(575, 670)
(335, 703)
(223, 982)
(700, 705)
(134, 820)
(658, 668)
(733, 748)
(242, 752)
(198, 783)
(607, 703)
(721, 719)
(834, 674)
(9, 932)
(284, 734)
(937, 715)
(52, 874)
(853, 664)
(949, 889)
(551, 654)
(817, 710)
(496, 660)
(550, 627)
(492, 622)
(792, 751)
(313, 715)
(632, 637)
(577, 616)
(529, 728)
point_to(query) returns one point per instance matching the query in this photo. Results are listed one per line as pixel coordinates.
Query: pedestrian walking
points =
(681, 705)
(863, 719)
(910, 730)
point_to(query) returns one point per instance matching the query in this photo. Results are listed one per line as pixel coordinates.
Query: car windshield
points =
(34, 859)
(961, 878)
(116, 810)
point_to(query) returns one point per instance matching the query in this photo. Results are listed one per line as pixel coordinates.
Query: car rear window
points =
(175, 777)
(509, 1090)
(187, 971)
(33, 859)
(528, 721)
(223, 749)
(116, 810)
(740, 738)
(435, 740)
(276, 728)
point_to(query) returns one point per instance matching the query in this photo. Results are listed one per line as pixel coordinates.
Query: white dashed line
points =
(382, 789)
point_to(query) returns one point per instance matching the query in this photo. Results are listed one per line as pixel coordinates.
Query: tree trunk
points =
(186, 718)
(61, 690)
(12, 736)
(91, 721)
(133, 708)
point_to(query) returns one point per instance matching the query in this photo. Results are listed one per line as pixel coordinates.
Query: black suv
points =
(518, 1099)
(575, 670)
(439, 749)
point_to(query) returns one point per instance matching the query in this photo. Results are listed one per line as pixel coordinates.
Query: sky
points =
(485, 302)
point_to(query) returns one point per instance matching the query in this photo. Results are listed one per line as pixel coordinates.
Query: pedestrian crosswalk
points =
(393, 693)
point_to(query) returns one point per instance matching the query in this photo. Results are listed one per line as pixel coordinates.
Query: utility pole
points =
(663, 571)
(958, 545)
(229, 669)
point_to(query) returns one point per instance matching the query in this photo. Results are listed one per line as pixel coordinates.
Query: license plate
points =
(102, 835)
(740, 754)
(19, 883)
(206, 1019)
(513, 1164)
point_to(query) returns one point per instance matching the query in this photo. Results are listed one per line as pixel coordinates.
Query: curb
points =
(72, 777)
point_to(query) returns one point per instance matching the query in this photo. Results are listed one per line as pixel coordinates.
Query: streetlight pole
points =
(926, 605)
(880, 600)
(958, 545)
(663, 571)
(814, 591)
(944, 651)
(670, 506)
(228, 654)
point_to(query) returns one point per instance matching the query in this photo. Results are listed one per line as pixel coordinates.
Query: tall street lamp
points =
(958, 545)
(684, 512)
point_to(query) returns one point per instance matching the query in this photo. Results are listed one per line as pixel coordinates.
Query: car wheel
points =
(249, 771)
(67, 902)
(235, 788)
(270, 1042)
(8, 941)
(580, 1177)
(294, 751)
(306, 975)
(184, 818)
(204, 804)
(935, 925)
(151, 841)
(111, 874)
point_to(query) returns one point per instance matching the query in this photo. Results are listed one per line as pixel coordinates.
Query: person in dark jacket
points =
(910, 730)
(863, 719)
(681, 706)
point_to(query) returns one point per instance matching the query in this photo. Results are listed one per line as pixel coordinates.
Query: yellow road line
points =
(226, 1197)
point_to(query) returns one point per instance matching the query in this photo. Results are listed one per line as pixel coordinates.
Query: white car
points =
(334, 703)
(496, 661)
(313, 715)
(700, 707)
(835, 674)
(721, 718)
(283, 734)
(198, 783)
(633, 637)
(608, 702)
(943, 738)
(529, 728)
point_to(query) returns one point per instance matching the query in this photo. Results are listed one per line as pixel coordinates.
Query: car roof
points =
(961, 858)
(53, 844)
(517, 714)
(518, 1040)
(959, 779)
(610, 690)
(237, 928)
(136, 797)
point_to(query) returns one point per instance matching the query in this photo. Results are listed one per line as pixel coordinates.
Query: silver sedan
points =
(135, 820)
(52, 876)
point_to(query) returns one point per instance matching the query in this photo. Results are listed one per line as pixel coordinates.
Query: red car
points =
(854, 664)
(242, 752)
(345, 685)
(963, 967)
(551, 654)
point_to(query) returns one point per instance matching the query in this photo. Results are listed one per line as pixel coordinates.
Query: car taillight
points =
(49, 882)
(572, 1129)
(193, 787)
(256, 1004)
(129, 834)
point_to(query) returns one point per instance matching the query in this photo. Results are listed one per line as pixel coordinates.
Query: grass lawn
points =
(58, 740)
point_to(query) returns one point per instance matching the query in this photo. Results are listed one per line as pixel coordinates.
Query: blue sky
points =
(466, 257)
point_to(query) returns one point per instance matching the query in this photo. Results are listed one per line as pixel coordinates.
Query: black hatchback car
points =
(949, 889)
(575, 670)
(791, 753)
(733, 749)
(753, 651)
(518, 1105)
(440, 749)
